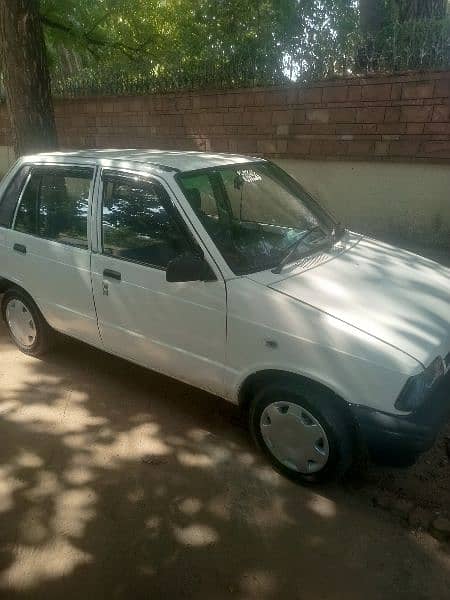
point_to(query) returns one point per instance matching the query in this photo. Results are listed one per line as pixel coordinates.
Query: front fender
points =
(270, 331)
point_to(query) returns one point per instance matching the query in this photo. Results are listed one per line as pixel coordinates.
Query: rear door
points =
(11, 190)
(49, 247)
(175, 328)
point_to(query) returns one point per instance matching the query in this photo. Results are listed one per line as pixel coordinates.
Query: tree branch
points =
(130, 51)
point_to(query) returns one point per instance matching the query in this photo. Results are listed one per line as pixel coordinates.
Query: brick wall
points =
(405, 117)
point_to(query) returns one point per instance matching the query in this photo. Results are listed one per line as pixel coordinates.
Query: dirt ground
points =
(116, 482)
(427, 483)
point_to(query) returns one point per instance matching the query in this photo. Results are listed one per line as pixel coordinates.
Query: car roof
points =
(172, 160)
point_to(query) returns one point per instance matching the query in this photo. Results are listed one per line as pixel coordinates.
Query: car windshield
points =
(256, 214)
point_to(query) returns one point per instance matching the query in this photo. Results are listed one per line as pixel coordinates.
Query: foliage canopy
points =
(161, 44)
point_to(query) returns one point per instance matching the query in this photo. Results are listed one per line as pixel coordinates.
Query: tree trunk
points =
(372, 15)
(372, 18)
(421, 9)
(26, 77)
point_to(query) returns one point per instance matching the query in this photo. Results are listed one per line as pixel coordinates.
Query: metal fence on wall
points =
(420, 45)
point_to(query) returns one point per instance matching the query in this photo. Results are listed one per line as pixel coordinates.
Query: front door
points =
(175, 328)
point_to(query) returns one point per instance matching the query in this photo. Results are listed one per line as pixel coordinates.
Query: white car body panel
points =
(163, 325)
(361, 318)
(392, 294)
(58, 277)
(358, 367)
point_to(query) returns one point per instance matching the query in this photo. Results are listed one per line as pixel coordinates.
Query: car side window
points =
(139, 223)
(55, 205)
(8, 201)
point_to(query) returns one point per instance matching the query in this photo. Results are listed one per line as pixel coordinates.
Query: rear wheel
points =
(26, 325)
(304, 433)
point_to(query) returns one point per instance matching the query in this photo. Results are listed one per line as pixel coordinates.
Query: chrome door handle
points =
(110, 274)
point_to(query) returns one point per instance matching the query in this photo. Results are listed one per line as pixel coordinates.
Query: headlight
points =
(419, 387)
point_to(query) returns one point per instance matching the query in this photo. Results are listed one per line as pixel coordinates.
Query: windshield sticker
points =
(246, 176)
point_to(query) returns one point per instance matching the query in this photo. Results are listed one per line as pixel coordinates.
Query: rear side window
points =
(8, 201)
(55, 205)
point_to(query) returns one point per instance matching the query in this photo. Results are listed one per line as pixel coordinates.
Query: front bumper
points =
(399, 440)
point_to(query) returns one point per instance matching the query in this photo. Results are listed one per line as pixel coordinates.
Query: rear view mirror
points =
(189, 267)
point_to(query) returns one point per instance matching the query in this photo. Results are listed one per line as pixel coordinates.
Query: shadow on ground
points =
(116, 482)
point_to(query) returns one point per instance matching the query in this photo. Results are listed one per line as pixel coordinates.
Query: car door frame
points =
(92, 338)
(195, 238)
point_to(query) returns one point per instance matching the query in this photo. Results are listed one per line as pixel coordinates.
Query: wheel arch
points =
(43, 337)
(9, 284)
(4, 284)
(255, 381)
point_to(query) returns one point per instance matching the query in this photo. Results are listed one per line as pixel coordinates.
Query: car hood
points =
(394, 295)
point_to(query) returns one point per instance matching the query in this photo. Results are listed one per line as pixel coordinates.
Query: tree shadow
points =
(116, 482)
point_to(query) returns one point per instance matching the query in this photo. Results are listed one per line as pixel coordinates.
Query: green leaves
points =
(138, 46)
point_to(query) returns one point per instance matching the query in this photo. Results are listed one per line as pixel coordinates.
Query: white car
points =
(221, 271)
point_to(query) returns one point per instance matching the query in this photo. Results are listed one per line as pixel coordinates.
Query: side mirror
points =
(189, 267)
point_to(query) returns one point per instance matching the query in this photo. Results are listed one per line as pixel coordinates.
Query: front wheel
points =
(304, 433)
(26, 325)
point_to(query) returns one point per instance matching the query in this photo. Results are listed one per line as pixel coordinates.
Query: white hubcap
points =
(21, 323)
(294, 437)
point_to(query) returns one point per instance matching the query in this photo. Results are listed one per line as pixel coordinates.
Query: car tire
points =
(26, 326)
(282, 413)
